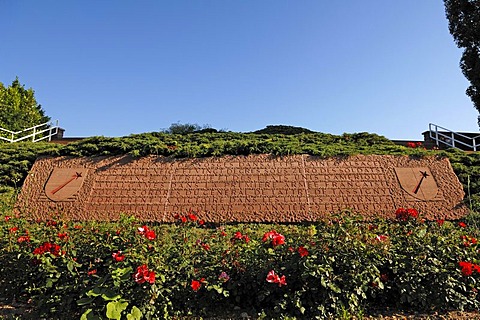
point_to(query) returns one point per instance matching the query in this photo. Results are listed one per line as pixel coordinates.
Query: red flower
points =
(462, 224)
(196, 285)
(52, 248)
(440, 222)
(201, 222)
(239, 236)
(144, 275)
(183, 219)
(192, 217)
(282, 281)
(23, 239)
(302, 251)
(412, 212)
(476, 267)
(118, 256)
(150, 234)
(147, 233)
(13, 229)
(411, 145)
(405, 214)
(277, 238)
(272, 277)
(92, 272)
(467, 268)
(205, 246)
(63, 236)
(7, 218)
(381, 238)
(51, 223)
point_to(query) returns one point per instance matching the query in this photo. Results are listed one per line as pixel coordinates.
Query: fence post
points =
(34, 132)
(453, 139)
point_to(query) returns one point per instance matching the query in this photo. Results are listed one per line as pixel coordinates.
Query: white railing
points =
(44, 131)
(453, 139)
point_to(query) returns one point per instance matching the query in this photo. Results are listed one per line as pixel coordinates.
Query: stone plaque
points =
(255, 188)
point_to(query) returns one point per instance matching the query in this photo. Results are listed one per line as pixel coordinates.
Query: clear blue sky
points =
(114, 68)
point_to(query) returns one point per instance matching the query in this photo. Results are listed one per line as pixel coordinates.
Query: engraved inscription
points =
(258, 188)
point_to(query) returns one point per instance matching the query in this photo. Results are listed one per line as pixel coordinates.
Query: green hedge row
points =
(17, 159)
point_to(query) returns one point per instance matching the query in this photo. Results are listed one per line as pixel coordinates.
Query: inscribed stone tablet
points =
(255, 188)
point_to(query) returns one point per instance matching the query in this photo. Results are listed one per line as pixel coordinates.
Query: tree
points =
(18, 108)
(185, 128)
(464, 25)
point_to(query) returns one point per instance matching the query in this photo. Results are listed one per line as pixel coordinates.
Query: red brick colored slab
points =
(255, 188)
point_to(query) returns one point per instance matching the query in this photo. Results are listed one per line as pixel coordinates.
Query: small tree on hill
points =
(18, 108)
(464, 25)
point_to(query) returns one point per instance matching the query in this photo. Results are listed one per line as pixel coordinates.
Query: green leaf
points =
(136, 314)
(85, 301)
(88, 315)
(114, 309)
(109, 295)
(95, 292)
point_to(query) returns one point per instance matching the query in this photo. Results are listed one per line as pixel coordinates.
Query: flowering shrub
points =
(406, 214)
(326, 269)
(414, 145)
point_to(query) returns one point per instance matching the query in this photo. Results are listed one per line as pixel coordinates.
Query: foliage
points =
(16, 159)
(185, 128)
(326, 269)
(464, 25)
(18, 108)
(281, 129)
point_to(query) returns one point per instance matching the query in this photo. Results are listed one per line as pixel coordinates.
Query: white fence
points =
(44, 131)
(449, 138)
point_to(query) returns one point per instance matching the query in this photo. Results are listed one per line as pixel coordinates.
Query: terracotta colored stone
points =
(255, 188)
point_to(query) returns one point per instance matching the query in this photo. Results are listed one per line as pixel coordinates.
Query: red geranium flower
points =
(440, 222)
(52, 248)
(23, 239)
(62, 236)
(7, 218)
(239, 236)
(462, 224)
(282, 281)
(467, 268)
(196, 285)
(147, 233)
(144, 275)
(381, 238)
(150, 235)
(276, 238)
(13, 229)
(92, 272)
(302, 251)
(272, 277)
(412, 212)
(405, 214)
(118, 256)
